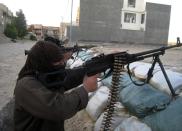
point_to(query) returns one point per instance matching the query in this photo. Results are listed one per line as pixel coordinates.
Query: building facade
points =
(63, 30)
(5, 17)
(125, 21)
(41, 31)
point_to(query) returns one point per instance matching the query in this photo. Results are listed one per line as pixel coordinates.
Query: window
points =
(130, 18)
(142, 18)
(131, 3)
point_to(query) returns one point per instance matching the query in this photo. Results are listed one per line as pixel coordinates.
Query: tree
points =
(10, 31)
(20, 23)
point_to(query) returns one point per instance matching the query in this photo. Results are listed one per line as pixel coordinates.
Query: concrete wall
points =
(1, 18)
(100, 20)
(157, 23)
(5, 17)
(75, 33)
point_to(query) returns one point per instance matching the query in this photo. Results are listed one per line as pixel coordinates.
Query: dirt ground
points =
(12, 59)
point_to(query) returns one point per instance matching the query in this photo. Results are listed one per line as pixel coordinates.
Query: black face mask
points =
(58, 67)
(53, 78)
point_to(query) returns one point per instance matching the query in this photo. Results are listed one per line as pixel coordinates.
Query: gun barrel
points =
(161, 49)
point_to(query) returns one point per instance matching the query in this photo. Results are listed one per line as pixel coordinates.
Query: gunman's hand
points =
(90, 83)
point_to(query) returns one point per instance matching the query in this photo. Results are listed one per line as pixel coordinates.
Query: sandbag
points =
(143, 100)
(159, 81)
(141, 71)
(79, 59)
(76, 63)
(124, 81)
(98, 102)
(107, 81)
(133, 65)
(90, 51)
(119, 115)
(69, 62)
(86, 57)
(132, 124)
(80, 54)
(167, 120)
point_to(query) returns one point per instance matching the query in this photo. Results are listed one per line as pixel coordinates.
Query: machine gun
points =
(115, 62)
(103, 62)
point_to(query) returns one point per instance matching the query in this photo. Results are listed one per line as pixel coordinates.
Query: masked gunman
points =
(41, 108)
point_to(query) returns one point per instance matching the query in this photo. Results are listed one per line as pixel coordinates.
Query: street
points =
(12, 58)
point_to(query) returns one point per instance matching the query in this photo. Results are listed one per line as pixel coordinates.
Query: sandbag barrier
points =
(138, 103)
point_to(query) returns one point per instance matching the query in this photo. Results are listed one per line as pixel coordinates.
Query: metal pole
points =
(61, 27)
(71, 21)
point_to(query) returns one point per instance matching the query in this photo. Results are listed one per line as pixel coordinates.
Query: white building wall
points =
(5, 17)
(139, 6)
(130, 22)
